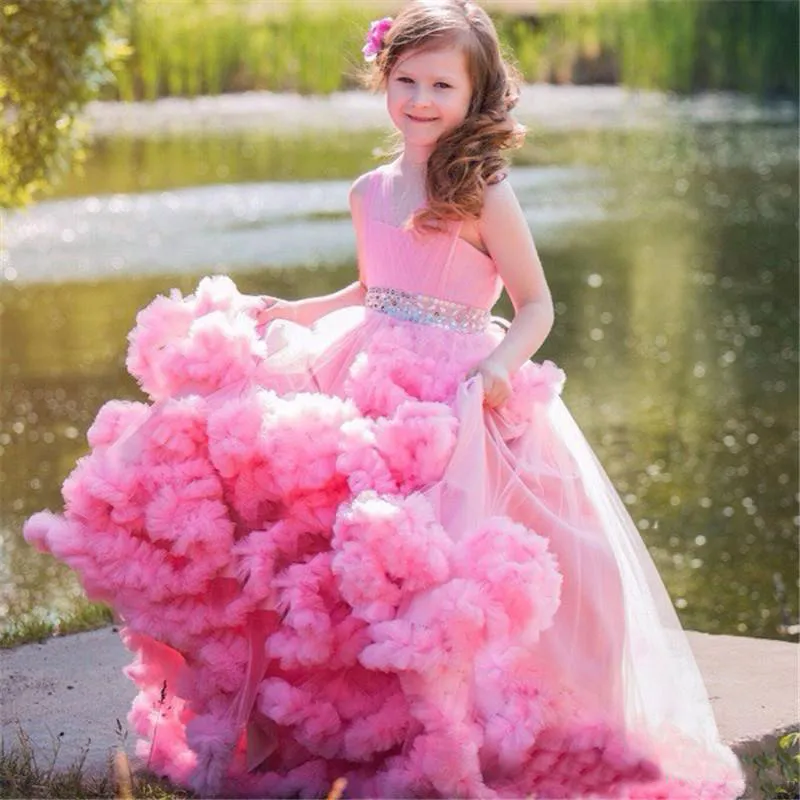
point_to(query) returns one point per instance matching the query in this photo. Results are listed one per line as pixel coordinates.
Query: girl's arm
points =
(507, 238)
(310, 309)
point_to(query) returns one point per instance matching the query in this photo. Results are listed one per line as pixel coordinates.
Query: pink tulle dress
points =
(331, 561)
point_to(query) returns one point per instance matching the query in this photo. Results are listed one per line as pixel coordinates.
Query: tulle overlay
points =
(332, 561)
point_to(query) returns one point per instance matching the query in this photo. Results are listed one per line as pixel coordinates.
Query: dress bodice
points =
(439, 264)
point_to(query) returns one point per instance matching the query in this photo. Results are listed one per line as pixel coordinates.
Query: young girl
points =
(359, 536)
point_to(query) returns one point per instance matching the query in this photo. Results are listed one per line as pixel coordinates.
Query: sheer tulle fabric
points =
(332, 561)
(385, 582)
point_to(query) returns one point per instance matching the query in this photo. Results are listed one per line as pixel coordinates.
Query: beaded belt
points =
(427, 310)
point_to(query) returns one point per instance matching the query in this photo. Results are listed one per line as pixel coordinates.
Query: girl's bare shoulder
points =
(498, 198)
(360, 186)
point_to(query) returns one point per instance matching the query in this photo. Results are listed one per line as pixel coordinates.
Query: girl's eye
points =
(444, 85)
(404, 79)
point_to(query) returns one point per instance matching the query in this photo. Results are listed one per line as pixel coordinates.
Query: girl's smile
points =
(428, 94)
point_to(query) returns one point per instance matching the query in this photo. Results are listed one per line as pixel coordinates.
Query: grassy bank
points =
(24, 773)
(32, 628)
(195, 47)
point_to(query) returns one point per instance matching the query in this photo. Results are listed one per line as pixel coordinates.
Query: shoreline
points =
(541, 106)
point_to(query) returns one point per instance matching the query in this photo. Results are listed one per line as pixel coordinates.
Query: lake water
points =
(671, 251)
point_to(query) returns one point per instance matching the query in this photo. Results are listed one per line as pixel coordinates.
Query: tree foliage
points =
(687, 46)
(54, 56)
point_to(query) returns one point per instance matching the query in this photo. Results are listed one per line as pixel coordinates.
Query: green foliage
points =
(206, 47)
(23, 774)
(53, 56)
(31, 628)
(686, 45)
(777, 772)
(197, 47)
(307, 47)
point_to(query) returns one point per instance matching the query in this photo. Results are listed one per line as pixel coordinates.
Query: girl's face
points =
(428, 94)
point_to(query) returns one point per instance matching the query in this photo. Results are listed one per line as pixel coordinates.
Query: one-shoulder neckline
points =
(458, 238)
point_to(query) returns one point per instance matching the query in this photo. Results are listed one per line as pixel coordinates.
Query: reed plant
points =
(686, 45)
(195, 47)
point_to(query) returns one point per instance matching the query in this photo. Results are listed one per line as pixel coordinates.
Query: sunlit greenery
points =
(684, 45)
(53, 57)
(31, 627)
(776, 768)
(196, 47)
(201, 47)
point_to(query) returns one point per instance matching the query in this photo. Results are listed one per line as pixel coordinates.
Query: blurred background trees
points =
(190, 47)
(54, 56)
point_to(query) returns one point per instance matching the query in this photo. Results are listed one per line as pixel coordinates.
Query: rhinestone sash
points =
(427, 310)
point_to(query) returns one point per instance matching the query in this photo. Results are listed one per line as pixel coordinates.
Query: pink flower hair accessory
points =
(374, 40)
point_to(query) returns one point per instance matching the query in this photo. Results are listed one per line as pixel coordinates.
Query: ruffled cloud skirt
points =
(331, 561)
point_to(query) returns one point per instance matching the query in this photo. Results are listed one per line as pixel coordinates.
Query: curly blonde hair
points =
(470, 156)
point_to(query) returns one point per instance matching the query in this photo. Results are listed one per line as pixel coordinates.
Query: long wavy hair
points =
(471, 155)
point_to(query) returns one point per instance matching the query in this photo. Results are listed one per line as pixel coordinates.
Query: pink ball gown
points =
(331, 561)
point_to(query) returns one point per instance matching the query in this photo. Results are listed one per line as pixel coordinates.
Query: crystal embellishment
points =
(427, 310)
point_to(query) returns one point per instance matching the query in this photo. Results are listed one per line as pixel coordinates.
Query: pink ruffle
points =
(284, 564)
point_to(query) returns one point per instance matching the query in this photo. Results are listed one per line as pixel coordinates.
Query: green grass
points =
(776, 770)
(684, 45)
(196, 47)
(23, 773)
(34, 628)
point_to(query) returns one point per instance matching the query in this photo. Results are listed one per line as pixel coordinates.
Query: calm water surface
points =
(671, 254)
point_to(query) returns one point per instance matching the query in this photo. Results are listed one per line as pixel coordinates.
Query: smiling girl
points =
(367, 540)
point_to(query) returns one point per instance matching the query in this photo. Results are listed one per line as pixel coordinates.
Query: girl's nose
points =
(421, 97)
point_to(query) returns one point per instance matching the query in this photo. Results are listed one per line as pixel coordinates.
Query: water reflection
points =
(238, 226)
(132, 164)
(676, 286)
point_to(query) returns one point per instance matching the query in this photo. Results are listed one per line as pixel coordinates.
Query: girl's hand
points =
(270, 308)
(496, 381)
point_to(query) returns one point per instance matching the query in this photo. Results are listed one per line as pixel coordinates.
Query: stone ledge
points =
(71, 691)
(753, 687)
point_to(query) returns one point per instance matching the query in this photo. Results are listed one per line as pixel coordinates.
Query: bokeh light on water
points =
(671, 254)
